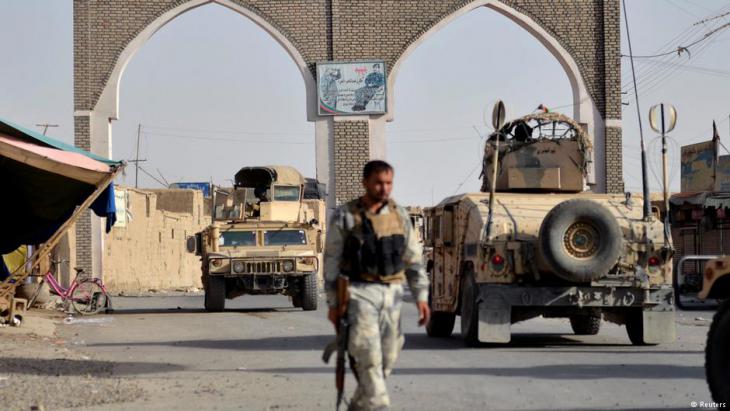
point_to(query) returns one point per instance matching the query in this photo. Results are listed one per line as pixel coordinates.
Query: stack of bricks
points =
(351, 152)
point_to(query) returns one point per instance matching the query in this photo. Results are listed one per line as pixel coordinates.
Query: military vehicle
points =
(535, 242)
(716, 284)
(265, 238)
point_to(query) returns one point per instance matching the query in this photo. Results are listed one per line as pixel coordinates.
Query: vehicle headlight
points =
(307, 260)
(287, 265)
(217, 262)
(238, 267)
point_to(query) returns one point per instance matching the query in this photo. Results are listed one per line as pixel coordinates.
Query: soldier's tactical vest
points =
(375, 246)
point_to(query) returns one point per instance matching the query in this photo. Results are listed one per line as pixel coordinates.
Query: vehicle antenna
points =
(644, 178)
(45, 127)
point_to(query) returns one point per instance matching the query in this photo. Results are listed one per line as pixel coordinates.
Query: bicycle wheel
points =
(89, 298)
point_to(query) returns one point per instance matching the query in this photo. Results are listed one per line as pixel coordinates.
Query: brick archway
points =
(582, 35)
(584, 107)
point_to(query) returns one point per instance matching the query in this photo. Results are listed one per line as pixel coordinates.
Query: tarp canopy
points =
(43, 181)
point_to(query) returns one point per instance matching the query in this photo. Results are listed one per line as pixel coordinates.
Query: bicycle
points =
(87, 295)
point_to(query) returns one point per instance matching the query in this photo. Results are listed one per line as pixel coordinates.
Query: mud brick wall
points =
(149, 251)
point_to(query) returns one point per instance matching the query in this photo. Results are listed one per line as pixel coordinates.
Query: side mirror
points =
(193, 244)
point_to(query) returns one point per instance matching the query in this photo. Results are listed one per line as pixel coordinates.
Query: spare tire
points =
(580, 240)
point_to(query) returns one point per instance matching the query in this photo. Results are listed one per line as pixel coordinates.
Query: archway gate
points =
(583, 35)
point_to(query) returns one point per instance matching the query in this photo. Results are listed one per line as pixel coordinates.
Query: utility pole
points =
(137, 160)
(45, 127)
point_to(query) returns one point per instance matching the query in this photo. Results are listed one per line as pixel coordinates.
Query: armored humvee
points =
(716, 284)
(546, 246)
(266, 238)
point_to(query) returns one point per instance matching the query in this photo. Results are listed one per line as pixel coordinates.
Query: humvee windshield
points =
(285, 237)
(237, 238)
(286, 193)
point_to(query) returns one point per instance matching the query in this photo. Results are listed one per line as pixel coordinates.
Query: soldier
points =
(371, 241)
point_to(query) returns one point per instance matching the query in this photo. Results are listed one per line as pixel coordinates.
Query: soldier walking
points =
(371, 241)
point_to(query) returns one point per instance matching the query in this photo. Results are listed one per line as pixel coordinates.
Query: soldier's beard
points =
(376, 197)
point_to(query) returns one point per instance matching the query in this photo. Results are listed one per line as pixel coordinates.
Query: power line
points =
(153, 177)
(177, 130)
(698, 69)
(685, 11)
(712, 18)
(681, 49)
(207, 131)
(232, 140)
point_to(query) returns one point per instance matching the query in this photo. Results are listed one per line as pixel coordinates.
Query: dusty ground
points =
(38, 369)
(164, 352)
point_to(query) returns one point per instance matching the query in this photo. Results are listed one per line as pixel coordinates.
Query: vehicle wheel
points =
(635, 328)
(308, 296)
(441, 323)
(580, 240)
(717, 357)
(585, 324)
(469, 311)
(88, 298)
(215, 294)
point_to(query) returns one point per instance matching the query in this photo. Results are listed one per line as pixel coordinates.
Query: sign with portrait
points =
(347, 88)
(698, 167)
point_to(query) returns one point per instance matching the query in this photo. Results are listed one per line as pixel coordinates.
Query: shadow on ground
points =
(67, 367)
(548, 372)
(180, 310)
(413, 342)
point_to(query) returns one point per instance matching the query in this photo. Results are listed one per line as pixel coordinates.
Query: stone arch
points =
(94, 112)
(585, 109)
(108, 101)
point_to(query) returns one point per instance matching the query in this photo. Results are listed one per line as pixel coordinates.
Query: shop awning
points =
(43, 181)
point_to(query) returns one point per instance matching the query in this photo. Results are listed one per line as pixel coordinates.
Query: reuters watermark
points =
(710, 405)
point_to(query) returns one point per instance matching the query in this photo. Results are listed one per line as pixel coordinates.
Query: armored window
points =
(436, 227)
(285, 237)
(447, 229)
(237, 238)
(286, 193)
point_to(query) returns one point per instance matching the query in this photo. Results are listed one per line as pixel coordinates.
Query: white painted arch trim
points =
(108, 104)
(584, 107)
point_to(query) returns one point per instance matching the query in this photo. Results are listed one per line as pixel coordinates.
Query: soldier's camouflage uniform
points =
(375, 338)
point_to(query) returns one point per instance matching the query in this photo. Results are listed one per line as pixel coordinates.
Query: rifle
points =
(340, 343)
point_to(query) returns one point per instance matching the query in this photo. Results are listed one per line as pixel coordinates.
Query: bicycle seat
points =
(78, 270)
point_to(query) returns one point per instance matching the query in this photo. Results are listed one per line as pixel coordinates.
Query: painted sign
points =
(722, 174)
(204, 187)
(346, 88)
(698, 167)
(120, 201)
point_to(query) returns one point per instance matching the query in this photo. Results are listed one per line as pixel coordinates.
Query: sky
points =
(213, 92)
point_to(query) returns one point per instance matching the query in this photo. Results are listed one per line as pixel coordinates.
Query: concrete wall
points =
(149, 252)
